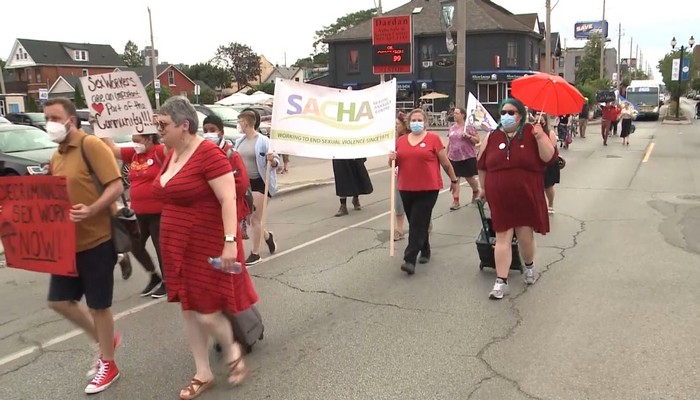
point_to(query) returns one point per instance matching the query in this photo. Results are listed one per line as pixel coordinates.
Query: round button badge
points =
(422, 145)
(149, 162)
(502, 146)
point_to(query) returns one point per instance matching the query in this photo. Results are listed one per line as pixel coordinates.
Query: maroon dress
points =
(514, 185)
(192, 231)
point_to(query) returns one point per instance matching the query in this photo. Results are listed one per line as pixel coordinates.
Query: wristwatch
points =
(455, 181)
(229, 238)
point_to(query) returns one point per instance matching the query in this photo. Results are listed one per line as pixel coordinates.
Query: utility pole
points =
(461, 67)
(602, 45)
(2, 83)
(619, 43)
(156, 91)
(629, 62)
(382, 77)
(548, 36)
(637, 56)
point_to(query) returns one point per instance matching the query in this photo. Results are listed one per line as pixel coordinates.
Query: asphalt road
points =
(612, 316)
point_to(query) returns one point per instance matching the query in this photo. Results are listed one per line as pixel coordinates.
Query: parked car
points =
(4, 121)
(264, 111)
(24, 150)
(228, 115)
(36, 120)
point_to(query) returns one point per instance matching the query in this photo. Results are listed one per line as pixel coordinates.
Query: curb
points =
(324, 182)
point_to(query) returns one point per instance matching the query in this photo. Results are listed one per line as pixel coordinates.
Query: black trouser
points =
(419, 210)
(149, 224)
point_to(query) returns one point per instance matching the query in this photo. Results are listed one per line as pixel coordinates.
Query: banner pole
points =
(268, 171)
(392, 223)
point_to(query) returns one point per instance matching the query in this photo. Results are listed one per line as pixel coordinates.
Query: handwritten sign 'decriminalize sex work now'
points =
(118, 104)
(35, 227)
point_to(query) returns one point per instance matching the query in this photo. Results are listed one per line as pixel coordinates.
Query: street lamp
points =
(454, 13)
(691, 43)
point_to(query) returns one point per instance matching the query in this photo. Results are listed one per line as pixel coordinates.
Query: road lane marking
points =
(647, 154)
(70, 335)
(76, 332)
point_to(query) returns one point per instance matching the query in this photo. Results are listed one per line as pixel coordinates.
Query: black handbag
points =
(125, 227)
(561, 163)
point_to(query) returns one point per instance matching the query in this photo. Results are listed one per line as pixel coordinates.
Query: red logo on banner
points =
(35, 227)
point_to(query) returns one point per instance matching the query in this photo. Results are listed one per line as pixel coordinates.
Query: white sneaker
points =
(499, 290)
(530, 275)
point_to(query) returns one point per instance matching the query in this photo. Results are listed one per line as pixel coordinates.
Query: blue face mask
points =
(417, 127)
(508, 121)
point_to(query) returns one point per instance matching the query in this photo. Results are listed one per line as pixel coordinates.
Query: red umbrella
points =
(547, 93)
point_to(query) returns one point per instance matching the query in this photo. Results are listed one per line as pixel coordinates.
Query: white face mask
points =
(140, 148)
(57, 131)
(212, 137)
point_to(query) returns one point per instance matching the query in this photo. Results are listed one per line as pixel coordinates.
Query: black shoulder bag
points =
(124, 225)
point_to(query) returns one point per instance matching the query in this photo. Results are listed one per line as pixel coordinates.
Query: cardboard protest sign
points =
(35, 227)
(118, 104)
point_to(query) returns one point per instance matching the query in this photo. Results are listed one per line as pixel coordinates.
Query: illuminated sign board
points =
(392, 50)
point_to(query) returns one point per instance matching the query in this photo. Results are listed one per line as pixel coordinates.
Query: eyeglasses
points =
(509, 112)
(161, 125)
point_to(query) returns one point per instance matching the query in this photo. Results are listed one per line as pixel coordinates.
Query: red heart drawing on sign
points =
(99, 107)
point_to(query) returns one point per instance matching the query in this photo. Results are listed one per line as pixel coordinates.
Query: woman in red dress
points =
(511, 163)
(198, 222)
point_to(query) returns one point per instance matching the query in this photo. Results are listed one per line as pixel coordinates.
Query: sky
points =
(284, 30)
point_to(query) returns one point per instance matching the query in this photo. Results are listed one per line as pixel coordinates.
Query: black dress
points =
(351, 178)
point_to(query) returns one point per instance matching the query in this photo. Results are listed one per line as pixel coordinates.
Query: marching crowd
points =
(192, 195)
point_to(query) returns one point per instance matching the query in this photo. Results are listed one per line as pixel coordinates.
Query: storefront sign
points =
(392, 49)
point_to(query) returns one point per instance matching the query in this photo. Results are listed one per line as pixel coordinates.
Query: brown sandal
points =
(195, 388)
(237, 369)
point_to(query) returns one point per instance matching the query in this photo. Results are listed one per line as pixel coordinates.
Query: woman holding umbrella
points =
(511, 165)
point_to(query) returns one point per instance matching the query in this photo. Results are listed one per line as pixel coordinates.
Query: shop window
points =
(512, 57)
(487, 93)
(353, 60)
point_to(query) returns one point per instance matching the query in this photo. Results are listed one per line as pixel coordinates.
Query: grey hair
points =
(180, 110)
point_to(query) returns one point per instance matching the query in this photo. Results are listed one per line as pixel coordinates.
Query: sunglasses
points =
(509, 112)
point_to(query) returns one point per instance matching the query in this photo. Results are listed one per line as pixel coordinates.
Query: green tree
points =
(206, 96)
(32, 105)
(213, 76)
(665, 66)
(241, 61)
(343, 23)
(267, 87)
(165, 94)
(589, 67)
(131, 56)
(78, 98)
(695, 84)
(319, 59)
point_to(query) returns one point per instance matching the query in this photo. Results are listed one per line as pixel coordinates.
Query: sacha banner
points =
(35, 227)
(321, 122)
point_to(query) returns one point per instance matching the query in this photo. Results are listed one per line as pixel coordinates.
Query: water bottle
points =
(216, 263)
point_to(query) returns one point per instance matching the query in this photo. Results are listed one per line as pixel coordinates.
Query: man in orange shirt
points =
(95, 252)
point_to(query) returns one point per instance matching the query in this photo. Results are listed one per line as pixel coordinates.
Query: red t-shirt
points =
(419, 166)
(144, 169)
(610, 113)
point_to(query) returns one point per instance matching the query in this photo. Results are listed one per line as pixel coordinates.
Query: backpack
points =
(248, 192)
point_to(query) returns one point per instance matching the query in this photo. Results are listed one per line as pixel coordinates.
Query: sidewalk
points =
(307, 172)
